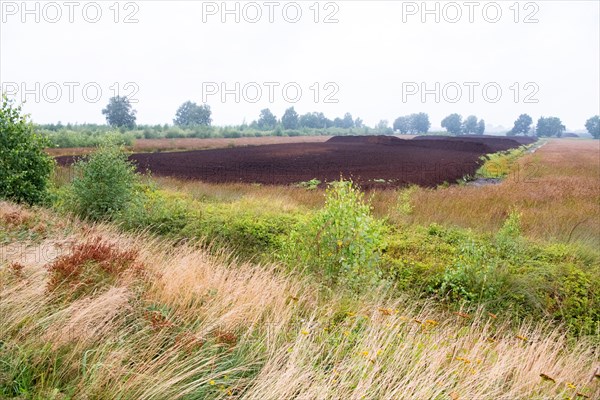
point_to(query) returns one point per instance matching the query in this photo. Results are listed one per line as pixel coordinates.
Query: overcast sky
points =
(371, 58)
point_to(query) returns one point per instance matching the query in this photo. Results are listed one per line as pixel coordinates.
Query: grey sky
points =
(372, 55)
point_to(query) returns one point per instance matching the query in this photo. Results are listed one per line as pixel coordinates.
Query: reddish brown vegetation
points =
(91, 262)
(13, 216)
(157, 320)
(17, 269)
(226, 338)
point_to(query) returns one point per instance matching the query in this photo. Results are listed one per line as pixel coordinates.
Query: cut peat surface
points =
(373, 161)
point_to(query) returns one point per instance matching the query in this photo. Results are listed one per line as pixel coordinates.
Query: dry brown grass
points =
(556, 190)
(207, 326)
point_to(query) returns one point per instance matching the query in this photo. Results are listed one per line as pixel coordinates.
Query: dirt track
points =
(372, 161)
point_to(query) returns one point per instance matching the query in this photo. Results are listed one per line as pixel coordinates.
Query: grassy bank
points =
(141, 319)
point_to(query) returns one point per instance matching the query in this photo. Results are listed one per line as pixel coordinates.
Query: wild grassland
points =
(89, 312)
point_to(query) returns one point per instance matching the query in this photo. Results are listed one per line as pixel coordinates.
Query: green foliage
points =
(266, 120)
(593, 126)
(310, 185)
(453, 124)
(104, 184)
(505, 273)
(91, 135)
(508, 237)
(24, 166)
(247, 230)
(342, 242)
(522, 125)
(404, 205)
(68, 138)
(548, 127)
(469, 125)
(578, 299)
(119, 113)
(473, 275)
(500, 164)
(413, 123)
(242, 227)
(191, 114)
(402, 125)
(290, 119)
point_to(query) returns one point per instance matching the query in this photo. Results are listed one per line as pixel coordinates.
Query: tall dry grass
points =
(556, 189)
(183, 324)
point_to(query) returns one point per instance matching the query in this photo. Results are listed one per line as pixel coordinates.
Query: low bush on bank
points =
(104, 184)
(342, 242)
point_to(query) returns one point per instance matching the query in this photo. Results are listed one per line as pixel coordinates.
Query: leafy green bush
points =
(24, 166)
(342, 242)
(104, 183)
(474, 275)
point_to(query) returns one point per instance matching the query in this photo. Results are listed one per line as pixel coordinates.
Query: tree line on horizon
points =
(120, 113)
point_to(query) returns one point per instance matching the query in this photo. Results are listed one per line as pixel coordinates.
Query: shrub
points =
(104, 183)
(508, 237)
(474, 275)
(24, 166)
(405, 207)
(342, 242)
(159, 212)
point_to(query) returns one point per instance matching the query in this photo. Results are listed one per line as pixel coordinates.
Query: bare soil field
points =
(372, 161)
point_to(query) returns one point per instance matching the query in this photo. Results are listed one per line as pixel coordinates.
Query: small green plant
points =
(310, 185)
(404, 204)
(105, 183)
(508, 237)
(473, 276)
(342, 242)
(25, 168)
